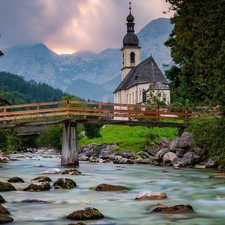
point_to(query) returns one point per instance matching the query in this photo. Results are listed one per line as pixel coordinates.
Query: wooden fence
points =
(109, 111)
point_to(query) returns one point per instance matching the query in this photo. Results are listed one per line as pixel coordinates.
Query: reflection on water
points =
(183, 186)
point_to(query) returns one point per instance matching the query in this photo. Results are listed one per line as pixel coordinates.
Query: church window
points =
(132, 57)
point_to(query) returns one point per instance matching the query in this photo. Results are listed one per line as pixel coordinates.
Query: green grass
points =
(129, 138)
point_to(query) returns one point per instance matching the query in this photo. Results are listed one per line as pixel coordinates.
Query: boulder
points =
(174, 144)
(52, 171)
(160, 154)
(186, 140)
(45, 186)
(213, 162)
(15, 180)
(3, 210)
(126, 154)
(6, 186)
(120, 160)
(38, 165)
(86, 214)
(42, 179)
(174, 209)
(110, 187)
(180, 152)
(65, 183)
(168, 158)
(2, 200)
(151, 195)
(164, 143)
(107, 151)
(152, 149)
(5, 218)
(72, 172)
(189, 159)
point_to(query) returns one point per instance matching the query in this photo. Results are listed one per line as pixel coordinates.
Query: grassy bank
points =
(130, 138)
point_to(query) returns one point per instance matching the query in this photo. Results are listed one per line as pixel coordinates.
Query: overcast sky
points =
(67, 26)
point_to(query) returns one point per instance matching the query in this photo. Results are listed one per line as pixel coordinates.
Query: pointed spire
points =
(130, 38)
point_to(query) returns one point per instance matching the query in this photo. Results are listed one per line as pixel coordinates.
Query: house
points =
(138, 77)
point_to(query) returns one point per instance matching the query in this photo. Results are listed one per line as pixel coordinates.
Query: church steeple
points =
(130, 38)
(130, 20)
(130, 50)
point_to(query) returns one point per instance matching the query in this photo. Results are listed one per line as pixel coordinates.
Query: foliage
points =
(155, 97)
(210, 135)
(1, 53)
(51, 137)
(29, 91)
(14, 97)
(198, 48)
(151, 136)
(92, 130)
(9, 141)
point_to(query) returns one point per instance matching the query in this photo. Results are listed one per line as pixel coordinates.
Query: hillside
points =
(99, 73)
(18, 91)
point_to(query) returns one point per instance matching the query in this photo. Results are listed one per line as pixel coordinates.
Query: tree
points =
(198, 48)
(1, 53)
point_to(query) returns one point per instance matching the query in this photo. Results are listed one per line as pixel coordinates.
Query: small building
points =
(138, 77)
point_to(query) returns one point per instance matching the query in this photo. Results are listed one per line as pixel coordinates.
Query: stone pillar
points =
(69, 155)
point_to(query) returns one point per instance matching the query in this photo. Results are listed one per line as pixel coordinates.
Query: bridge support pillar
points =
(69, 155)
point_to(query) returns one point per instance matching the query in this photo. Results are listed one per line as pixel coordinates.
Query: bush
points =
(210, 135)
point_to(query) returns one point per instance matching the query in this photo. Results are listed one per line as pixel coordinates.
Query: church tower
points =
(130, 50)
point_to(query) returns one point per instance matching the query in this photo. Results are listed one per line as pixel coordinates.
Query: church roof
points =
(146, 72)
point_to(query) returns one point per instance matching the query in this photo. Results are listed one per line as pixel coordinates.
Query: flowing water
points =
(183, 186)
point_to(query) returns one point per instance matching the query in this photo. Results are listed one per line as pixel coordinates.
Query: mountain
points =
(85, 74)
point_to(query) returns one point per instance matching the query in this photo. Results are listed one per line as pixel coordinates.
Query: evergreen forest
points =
(18, 91)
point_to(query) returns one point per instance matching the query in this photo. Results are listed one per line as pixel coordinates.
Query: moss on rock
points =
(65, 183)
(85, 214)
(45, 186)
(6, 186)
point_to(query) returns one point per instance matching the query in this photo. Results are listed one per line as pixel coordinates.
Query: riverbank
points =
(179, 152)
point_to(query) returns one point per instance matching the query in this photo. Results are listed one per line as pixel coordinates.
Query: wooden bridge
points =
(71, 113)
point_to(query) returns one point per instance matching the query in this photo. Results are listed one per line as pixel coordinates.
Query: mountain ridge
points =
(100, 72)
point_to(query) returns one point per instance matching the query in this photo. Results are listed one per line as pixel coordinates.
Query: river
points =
(183, 186)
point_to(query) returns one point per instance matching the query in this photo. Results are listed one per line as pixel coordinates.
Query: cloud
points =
(73, 25)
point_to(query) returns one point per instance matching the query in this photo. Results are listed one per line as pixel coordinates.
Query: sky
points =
(68, 26)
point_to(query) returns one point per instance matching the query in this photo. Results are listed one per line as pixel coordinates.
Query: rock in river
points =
(42, 179)
(6, 186)
(85, 214)
(110, 187)
(146, 195)
(65, 183)
(15, 180)
(4, 215)
(45, 186)
(174, 209)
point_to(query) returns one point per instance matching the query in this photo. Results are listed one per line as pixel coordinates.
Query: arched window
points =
(132, 57)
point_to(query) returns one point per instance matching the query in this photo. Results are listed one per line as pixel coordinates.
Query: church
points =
(138, 77)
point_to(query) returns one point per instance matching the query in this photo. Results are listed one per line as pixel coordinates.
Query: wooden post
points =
(69, 155)
(158, 113)
(4, 116)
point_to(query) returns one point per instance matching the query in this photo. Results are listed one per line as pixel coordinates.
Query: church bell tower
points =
(130, 50)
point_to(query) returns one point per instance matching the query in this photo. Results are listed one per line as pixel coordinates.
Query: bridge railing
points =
(115, 111)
